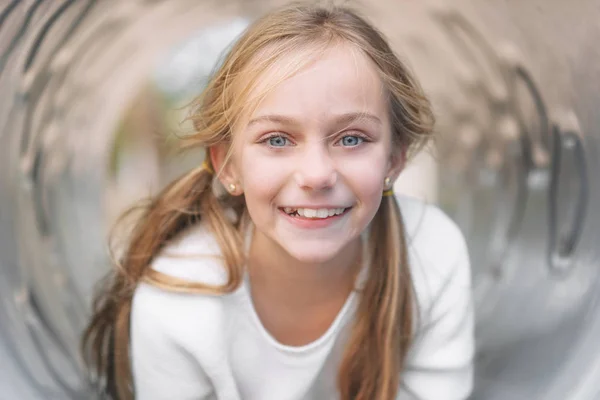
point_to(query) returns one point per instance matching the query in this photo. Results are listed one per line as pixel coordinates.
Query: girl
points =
(284, 268)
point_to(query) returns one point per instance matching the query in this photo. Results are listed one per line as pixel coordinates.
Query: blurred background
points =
(92, 98)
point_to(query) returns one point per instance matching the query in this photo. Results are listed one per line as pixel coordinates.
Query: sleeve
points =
(439, 364)
(162, 369)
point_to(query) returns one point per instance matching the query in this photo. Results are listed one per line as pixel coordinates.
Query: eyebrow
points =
(346, 118)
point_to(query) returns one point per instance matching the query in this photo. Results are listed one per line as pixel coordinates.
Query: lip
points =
(314, 223)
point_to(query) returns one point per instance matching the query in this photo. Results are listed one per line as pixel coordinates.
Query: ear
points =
(225, 170)
(396, 165)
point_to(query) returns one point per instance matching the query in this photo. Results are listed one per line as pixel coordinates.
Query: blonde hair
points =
(382, 330)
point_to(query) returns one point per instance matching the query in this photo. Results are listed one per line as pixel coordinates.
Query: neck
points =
(298, 283)
(297, 301)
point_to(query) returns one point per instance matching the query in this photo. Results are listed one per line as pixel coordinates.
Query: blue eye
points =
(277, 141)
(351, 140)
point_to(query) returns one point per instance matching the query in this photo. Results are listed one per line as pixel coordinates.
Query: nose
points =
(316, 169)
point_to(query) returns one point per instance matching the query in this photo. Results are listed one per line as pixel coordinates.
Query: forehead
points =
(314, 84)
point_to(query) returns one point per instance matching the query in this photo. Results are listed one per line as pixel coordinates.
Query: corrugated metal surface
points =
(516, 87)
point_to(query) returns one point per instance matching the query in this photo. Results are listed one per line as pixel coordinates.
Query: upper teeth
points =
(314, 213)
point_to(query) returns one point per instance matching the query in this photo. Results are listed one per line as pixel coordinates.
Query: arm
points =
(163, 369)
(440, 363)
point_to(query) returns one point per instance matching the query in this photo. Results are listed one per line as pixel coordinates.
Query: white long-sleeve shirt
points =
(190, 346)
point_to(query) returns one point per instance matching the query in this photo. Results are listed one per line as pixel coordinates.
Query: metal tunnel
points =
(87, 87)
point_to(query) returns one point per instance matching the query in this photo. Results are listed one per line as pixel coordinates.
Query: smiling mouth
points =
(314, 213)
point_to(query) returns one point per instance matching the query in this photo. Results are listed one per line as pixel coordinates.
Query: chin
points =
(314, 254)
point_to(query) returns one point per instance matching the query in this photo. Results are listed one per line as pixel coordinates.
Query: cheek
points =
(366, 174)
(261, 177)
(258, 193)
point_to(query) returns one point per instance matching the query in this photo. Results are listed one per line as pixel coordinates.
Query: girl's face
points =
(312, 158)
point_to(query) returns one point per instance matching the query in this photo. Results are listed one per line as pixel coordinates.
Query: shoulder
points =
(182, 317)
(440, 361)
(438, 253)
(427, 227)
(178, 343)
(182, 338)
(194, 255)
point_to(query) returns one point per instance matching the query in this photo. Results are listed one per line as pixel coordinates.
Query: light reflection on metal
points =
(568, 194)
